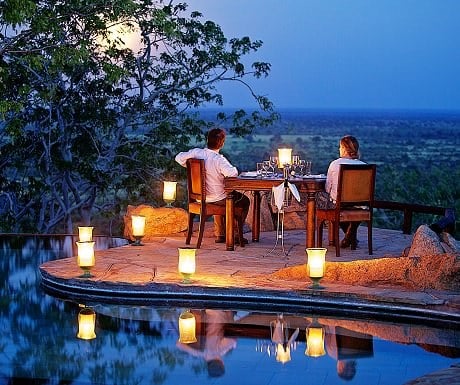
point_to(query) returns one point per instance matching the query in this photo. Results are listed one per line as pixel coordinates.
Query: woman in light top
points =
(348, 154)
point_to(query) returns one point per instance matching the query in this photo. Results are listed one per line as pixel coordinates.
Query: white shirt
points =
(217, 168)
(332, 178)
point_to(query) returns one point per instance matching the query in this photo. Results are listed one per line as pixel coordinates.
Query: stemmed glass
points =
(301, 166)
(265, 167)
(295, 162)
(273, 163)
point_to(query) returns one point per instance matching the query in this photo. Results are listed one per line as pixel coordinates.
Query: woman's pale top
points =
(332, 178)
(217, 168)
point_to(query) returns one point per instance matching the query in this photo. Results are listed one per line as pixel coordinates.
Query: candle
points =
(187, 260)
(284, 156)
(169, 191)
(85, 254)
(316, 262)
(85, 234)
(138, 223)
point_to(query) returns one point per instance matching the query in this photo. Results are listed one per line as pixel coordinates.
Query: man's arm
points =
(182, 157)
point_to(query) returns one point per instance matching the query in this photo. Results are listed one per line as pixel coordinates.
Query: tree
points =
(88, 120)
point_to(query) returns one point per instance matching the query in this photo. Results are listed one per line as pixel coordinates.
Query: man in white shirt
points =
(217, 168)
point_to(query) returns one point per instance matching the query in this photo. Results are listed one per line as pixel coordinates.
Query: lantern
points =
(169, 192)
(86, 259)
(85, 234)
(186, 263)
(284, 157)
(138, 226)
(316, 265)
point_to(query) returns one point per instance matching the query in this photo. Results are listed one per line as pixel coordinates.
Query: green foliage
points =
(88, 122)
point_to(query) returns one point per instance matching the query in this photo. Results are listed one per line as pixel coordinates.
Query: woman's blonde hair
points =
(351, 146)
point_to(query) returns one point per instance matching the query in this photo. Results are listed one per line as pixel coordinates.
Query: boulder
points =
(266, 221)
(433, 262)
(437, 272)
(159, 221)
(427, 242)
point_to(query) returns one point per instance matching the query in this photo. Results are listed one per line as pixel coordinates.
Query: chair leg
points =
(239, 229)
(369, 237)
(319, 233)
(201, 231)
(331, 232)
(190, 228)
(335, 228)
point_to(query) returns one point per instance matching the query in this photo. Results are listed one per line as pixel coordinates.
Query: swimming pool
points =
(141, 344)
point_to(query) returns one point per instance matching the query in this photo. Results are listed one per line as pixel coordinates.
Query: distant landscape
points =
(416, 152)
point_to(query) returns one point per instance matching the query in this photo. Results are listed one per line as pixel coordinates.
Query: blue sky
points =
(352, 54)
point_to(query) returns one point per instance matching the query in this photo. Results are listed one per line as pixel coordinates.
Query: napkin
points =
(279, 191)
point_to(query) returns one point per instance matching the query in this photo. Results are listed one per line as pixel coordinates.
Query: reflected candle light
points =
(86, 324)
(315, 341)
(187, 328)
(283, 354)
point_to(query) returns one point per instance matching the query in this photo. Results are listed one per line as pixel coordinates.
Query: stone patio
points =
(248, 275)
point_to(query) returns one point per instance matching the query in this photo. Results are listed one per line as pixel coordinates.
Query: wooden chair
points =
(356, 186)
(197, 205)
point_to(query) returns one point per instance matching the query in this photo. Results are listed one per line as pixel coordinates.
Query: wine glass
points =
(266, 166)
(273, 163)
(302, 165)
(295, 162)
(307, 167)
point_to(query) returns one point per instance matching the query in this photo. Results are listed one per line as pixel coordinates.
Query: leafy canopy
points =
(97, 96)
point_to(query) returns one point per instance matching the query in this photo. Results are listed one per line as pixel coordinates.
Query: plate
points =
(314, 176)
(249, 174)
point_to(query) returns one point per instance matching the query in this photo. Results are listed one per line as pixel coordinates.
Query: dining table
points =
(309, 185)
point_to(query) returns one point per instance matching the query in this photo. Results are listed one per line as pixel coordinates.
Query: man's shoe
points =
(237, 241)
(220, 239)
(345, 242)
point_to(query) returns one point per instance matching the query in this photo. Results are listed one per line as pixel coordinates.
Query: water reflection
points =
(140, 344)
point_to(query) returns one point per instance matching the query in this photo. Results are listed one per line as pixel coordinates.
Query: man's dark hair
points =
(216, 368)
(215, 138)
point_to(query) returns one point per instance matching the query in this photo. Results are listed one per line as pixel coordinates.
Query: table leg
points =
(311, 219)
(256, 217)
(229, 220)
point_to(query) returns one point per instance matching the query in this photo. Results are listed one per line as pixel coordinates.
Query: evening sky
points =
(347, 54)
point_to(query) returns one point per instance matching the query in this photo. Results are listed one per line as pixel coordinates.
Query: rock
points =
(426, 241)
(266, 221)
(448, 376)
(159, 221)
(453, 246)
(294, 214)
(437, 272)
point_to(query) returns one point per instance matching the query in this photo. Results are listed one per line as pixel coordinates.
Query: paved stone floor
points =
(144, 272)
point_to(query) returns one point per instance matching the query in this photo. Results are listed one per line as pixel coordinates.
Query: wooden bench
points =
(409, 209)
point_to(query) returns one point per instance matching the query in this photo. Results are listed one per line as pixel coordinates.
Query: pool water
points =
(142, 344)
